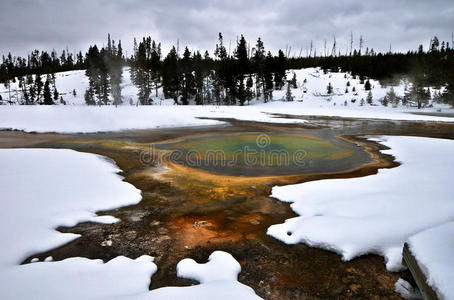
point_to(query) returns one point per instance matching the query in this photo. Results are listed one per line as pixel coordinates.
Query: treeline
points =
(30, 72)
(225, 78)
(221, 79)
(434, 67)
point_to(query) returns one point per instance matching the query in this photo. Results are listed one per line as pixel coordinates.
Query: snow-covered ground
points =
(434, 251)
(218, 278)
(77, 278)
(310, 97)
(46, 188)
(378, 213)
(42, 189)
(110, 118)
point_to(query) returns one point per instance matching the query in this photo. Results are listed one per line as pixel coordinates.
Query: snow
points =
(218, 260)
(406, 290)
(218, 278)
(71, 119)
(64, 186)
(378, 213)
(45, 188)
(434, 249)
(77, 278)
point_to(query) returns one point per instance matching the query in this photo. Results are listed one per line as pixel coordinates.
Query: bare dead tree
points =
(333, 51)
(325, 47)
(361, 43)
(310, 52)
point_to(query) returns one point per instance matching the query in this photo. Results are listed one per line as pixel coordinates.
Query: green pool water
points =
(256, 154)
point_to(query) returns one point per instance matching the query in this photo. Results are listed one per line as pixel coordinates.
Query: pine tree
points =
(89, 97)
(155, 63)
(219, 74)
(293, 81)
(47, 96)
(242, 63)
(417, 94)
(38, 86)
(329, 89)
(241, 92)
(142, 74)
(171, 78)
(369, 97)
(93, 72)
(198, 78)
(390, 97)
(249, 85)
(259, 65)
(31, 90)
(279, 74)
(187, 82)
(105, 87)
(288, 95)
(242, 57)
(268, 77)
(367, 85)
(56, 94)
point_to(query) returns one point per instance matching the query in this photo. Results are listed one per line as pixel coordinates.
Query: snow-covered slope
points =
(378, 213)
(311, 87)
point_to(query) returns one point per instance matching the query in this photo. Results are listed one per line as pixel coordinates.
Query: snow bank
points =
(77, 278)
(92, 119)
(434, 251)
(69, 119)
(45, 188)
(203, 273)
(42, 189)
(218, 278)
(378, 213)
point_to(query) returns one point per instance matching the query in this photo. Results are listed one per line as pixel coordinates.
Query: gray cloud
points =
(30, 24)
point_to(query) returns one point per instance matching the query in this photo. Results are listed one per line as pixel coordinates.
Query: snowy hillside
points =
(311, 90)
(348, 98)
(69, 82)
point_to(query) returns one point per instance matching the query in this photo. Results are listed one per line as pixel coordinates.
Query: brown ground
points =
(190, 213)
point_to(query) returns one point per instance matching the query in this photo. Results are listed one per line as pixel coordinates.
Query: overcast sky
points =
(46, 24)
